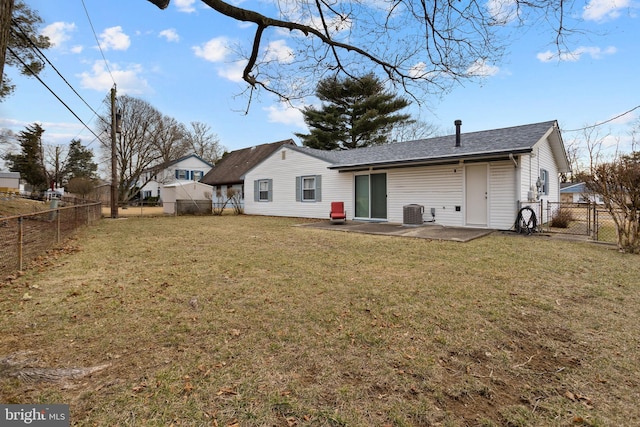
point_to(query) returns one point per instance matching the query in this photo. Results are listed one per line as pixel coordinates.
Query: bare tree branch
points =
(423, 46)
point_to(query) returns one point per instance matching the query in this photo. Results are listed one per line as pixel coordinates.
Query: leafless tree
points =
(592, 141)
(54, 160)
(169, 138)
(204, 143)
(635, 135)
(618, 182)
(419, 46)
(147, 140)
(8, 143)
(412, 130)
(81, 186)
(574, 151)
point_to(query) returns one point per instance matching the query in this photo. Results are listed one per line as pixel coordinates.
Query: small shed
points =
(187, 198)
(9, 182)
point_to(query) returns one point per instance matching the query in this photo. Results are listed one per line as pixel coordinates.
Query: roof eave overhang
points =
(435, 161)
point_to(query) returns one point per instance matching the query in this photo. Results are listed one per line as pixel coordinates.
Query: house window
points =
(308, 188)
(197, 175)
(263, 190)
(544, 182)
(182, 174)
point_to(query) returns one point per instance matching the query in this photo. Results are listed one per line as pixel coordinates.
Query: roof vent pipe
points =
(458, 123)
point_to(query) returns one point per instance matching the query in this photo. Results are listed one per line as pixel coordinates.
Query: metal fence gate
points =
(581, 219)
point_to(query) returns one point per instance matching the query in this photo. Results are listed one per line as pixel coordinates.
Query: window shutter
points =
(256, 191)
(177, 173)
(270, 186)
(298, 188)
(318, 188)
(544, 177)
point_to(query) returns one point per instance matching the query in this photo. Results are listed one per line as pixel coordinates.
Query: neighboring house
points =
(228, 173)
(477, 179)
(184, 169)
(9, 182)
(194, 196)
(578, 193)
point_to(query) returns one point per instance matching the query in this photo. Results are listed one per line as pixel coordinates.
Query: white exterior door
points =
(476, 195)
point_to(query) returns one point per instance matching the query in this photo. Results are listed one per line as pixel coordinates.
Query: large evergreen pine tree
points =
(355, 113)
(18, 35)
(30, 162)
(79, 162)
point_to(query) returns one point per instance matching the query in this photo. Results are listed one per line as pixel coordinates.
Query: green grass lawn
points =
(252, 321)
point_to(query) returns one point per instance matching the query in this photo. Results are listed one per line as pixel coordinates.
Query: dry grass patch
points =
(13, 205)
(252, 321)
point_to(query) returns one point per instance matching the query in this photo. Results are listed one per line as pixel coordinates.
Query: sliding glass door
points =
(371, 196)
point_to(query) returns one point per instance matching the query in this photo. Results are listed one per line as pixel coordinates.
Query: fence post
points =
(589, 219)
(595, 222)
(58, 226)
(20, 235)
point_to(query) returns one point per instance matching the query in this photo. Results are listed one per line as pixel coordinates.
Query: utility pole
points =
(114, 161)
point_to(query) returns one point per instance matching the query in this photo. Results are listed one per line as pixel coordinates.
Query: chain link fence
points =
(580, 219)
(25, 237)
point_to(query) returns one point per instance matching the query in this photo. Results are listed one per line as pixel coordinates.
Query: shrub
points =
(562, 218)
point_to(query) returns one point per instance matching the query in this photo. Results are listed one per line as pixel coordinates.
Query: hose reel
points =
(526, 222)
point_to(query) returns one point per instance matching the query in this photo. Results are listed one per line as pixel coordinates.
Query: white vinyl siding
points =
(441, 187)
(188, 169)
(331, 186)
(532, 166)
(502, 195)
(438, 187)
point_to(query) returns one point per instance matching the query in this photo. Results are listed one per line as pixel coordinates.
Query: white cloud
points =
(279, 51)
(601, 10)
(59, 32)
(170, 34)
(480, 68)
(215, 50)
(503, 11)
(286, 114)
(233, 71)
(575, 55)
(114, 39)
(77, 49)
(418, 70)
(129, 80)
(185, 5)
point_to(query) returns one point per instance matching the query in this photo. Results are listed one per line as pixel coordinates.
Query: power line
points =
(98, 41)
(41, 55)
(50, 90)
(603, 123)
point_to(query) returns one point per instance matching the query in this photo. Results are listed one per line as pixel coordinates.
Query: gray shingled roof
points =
(497, 142)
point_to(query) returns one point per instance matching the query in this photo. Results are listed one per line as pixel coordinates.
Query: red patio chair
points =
(337, 212)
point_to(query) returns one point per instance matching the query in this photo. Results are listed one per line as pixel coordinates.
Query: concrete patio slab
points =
(430, 231)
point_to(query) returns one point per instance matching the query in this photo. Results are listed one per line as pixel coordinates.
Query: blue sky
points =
(180, 61)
